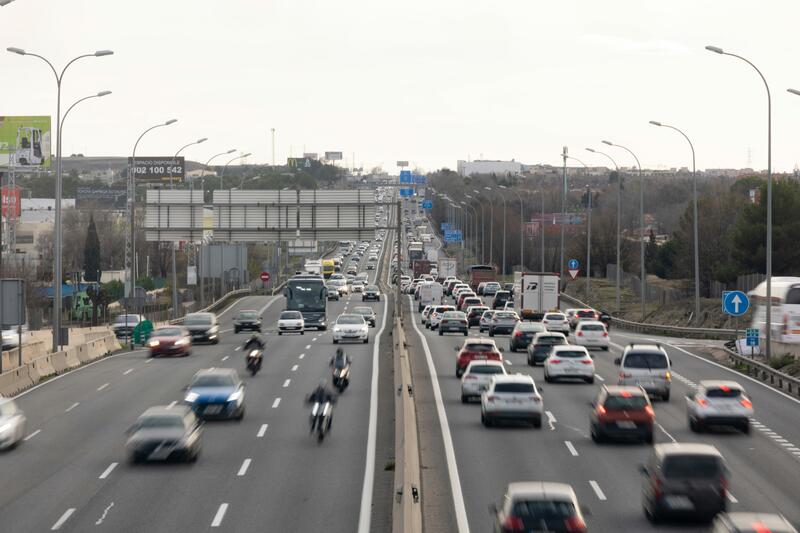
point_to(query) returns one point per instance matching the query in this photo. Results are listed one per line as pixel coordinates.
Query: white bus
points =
(785, 309)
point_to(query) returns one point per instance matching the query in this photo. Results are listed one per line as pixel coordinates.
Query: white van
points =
(785, 309)
(430, 293)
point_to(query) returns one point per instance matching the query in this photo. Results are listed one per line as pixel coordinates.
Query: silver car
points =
(12, 424)
(646, 366)
(486, 319)
(477, 376)
(719, 403)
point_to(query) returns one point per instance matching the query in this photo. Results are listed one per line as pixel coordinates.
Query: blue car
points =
(216, 393)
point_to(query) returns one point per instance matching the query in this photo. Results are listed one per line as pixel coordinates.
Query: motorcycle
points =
(254, 359)
(321, 419)
(341, 378)
(605, 318)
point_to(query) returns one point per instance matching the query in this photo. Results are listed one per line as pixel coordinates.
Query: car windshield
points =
(197, 320)
(488, 314)
(650, 361)
(213, 381)
(554, 317)
(592, 327)
(167, 332)
(127, 319)
(486, 369)
(691, 467)
(248, 314)
(291, 315)
(372, 288)
(476, 347)
(726, 392)
(570, 354)
(350, 319)
(505, 315)
(622, 403)
(514, 388)
(161, 421)
(532, 511)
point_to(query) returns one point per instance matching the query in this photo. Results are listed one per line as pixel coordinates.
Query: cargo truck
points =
(535, 293)
(481, 273)
(421, 266)
(447, 268)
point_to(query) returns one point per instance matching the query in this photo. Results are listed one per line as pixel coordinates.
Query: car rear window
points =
(518, 388)
(499, 295)
(213, 381)
(691, 467)
(472, 300)
(479, 348)
(549, 341)
(645, 360)
(592, 327)
(505, 315)
(532, 511)
(486, 369)
(554, 317)
(622, 403)
(570, 354)
(726, 392)
(443, 309)
(585, 314)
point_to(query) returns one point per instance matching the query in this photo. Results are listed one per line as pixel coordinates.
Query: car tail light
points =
(535, 399)
(759, 527)
(490, 398)
(702, 402)
(746, 403)
(579, 334)
(545, 321)
(723, 486)
(518, 334)
(601, 410)
(624, 375)
(649, 410)
(605, 334)
(657, 492)
(554, 361)
(513, 523)
(574, 524)
(587, 361)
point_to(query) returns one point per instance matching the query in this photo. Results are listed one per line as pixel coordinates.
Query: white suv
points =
(592, 334)
(569, 361)
(719, 403)
(477, 377)
(512, 397)
(646, 366)
(556, 322)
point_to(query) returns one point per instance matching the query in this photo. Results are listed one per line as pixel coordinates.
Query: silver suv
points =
(719, 403)
(646, 366)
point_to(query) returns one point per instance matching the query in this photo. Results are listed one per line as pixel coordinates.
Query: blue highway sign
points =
(735, 303)
(573, 264)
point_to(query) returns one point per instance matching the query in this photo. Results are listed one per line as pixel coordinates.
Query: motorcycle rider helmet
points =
(339, 352)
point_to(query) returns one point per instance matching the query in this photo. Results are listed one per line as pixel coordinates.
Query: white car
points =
(570, 362)
(719, 403)
(11, 337)
(512, 397)
(350, 327)
(477, 376)
(592, 334)
(333, 293)
(291, 322)
(556, 322)
(424, 314)
(358, 286)
(12, 424)
(435, 316)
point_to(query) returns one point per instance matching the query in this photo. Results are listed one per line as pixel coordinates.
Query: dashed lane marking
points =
(308, 346)
(64, 517)
(276, 403)
(598, 491)
(243, 469)
(571, 448)
(217, 521)
(101, 387)
(225, 358)
(108, 471)
(262, 430)
(71, 407)
(29, 437)
(286, 383)
(127, 372)
(302, 355)
(294, 368)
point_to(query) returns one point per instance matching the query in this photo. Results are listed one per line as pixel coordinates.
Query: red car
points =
(476, 349)
(622, 412)
(464, 295)
(170, 340)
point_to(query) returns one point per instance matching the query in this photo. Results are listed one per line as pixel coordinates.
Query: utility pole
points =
(588, 241)
(273, 148)
(563, 212)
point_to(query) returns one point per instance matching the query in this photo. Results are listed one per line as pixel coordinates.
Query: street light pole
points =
(619, 219)
(641, 223)
(718, 50)
(504, 230)
(588, 230)
(521, 227)
(483, 229)
(541, 224)
(222, 174)
(563, 215)
(695, 222)
(57, 270)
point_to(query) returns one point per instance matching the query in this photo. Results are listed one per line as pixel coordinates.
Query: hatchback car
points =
(477, 376)
(523, 333)
(368, 313)
(350, 327)
(123, 325)
(751, 523)
(435, 316)
(170, 340)
(333, 293)
(503, 322)
(592, 334)
(12, 424)
(165, 433)
(358, 286)
(533, 506)
(512, 397)
(291, 322)
(474, 313)
(648, 366)
(500, 299)
(622, 413)
(453, 321)
(247, 319)
(216, 393)
(582, 314)
(569, 362)
(423, 316)
(476, 349)
(469, 302)
(556, 322)
(485, 320)
(684, 479)
(719, 403)
(371, 293)
(491, 288)
(203, 327)
(542, 344)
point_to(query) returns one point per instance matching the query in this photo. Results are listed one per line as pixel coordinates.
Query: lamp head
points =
(103, 93)
(715, 49)
(655, 123)
(231, 151)
(15, 50)
(591, 150)
(502, 186)
(171, 121)
(793, 91)
(204, 139)
(5, 2)
(101, 53)
(608, 143)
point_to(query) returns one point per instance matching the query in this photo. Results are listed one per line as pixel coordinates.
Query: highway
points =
(263, 473)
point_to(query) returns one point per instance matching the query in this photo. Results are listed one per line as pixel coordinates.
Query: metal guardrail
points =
(661, 329)
(765, 373)
(227, 297)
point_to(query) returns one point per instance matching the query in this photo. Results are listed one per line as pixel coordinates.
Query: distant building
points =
(482, 166)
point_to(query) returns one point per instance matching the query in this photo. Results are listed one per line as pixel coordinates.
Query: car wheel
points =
(486, 421)
(547, 378)
(216, 341)
(694, 425)
(465, 333)
(235, 330)
(648, 439)
(746, 428)
(594, 434)
(240, 415)
(302, 333)
(440, 333)
(366, 341)
(530, 361)
(605, 348)
(537, 422)
(335, 341)
(464, 399)
(280, 333)
(491, 333)
(590, 380)
(651, 516)
(459, 372)
(665, 397)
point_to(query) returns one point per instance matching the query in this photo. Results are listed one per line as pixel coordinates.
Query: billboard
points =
(299, 162)
(158, 169)
(11, 200)
(402, 164)
(100, 198)
(311, 155)
(333, 156)
(25, 141)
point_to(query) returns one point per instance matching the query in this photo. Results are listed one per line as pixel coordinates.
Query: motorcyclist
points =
(322, 395)
(254, 342)
(340, 360)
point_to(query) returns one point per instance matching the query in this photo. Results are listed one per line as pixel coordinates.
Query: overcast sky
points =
(431, 81)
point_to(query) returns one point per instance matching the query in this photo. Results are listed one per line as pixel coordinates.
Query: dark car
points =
(523, 333)
(622, 412)
(247, 319)
(474, 314)
(203, 327)
(124, 324)
(510, 288)
(687, 480)
(500, 299)
(371, 292)
(216, 393)
(368, 313)
(165, 433)
(541, 345)
(170, 340)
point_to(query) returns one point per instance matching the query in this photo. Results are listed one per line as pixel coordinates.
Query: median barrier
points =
(59, 362)
(71, 355)
(43, 366)
(15, 381)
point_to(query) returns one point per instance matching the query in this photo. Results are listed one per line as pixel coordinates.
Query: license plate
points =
(213, 409)
(626, 424)
(679, 503)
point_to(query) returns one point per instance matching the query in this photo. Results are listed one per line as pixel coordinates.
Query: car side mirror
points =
(618, 361)
(643, 470)
(492, 509)
(671, 363)
(690, 396)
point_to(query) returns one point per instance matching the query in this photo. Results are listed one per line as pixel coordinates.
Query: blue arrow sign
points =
(573, 264)
(427, 204)
(405, 176)
(452, 236)
(735, 303)
(406, 192)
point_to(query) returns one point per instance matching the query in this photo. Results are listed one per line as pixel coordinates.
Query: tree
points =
(91, 253)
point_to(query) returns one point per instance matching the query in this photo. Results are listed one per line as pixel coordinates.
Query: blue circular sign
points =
(573, 264)
(735, 303)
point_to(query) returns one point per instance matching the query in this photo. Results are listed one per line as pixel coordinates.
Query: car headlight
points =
(181, 342)
(6, 427)
(337, 329)
(153, 343)
(236, 396)
(191, 397)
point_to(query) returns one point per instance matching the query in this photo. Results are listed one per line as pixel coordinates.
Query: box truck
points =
(535, 293)
(446, 268)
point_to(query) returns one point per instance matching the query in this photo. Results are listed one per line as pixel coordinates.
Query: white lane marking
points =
(105, 513)
(276, 403)
(237, 348)
(71, 407)
(731, 497)
(302, 355)
(308, 346)
(225, 358)
(101, 387)
(666, 432)
(262, 430)
(127, 372)
(108, 471)
(29, 437)
(223, 507)
(551, 420)
(509, 363)
(64, 518)
(171, 404)
(286, 383)
(452, 468)
(571, 448)
(243, 469)
(294, 368)
(213, 368)
(365, 513)
(597, 490)
(598, 376)
(314, 339)
(147, 361)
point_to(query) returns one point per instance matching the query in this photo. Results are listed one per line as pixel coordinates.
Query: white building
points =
(482, 166)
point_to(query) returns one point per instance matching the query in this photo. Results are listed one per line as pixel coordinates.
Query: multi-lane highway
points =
(263, 473)
(765, 466)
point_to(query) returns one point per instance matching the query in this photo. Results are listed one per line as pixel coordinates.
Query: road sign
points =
(452, 236)
(265, 276)
(752, 335)
(419, 180)
(445, 226)
(573, 264)
(735, 303)
(161, 169)
(573, 273)
(406, 193)
(427, 204)
(405, 176)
